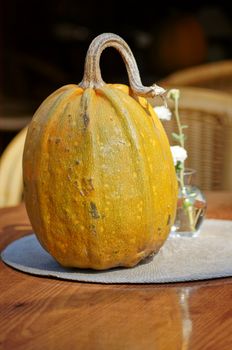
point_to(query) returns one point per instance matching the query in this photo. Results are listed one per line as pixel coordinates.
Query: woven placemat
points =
(180, 259)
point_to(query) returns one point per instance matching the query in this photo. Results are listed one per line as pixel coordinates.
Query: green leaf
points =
(184, 126)
(179, 166)
(176, 137)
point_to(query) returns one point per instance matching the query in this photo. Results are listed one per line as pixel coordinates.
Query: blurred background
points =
(43, 45)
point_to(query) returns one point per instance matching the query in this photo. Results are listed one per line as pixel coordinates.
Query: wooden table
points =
(44, 313)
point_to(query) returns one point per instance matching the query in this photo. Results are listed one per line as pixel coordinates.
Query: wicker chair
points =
(216, 75)
(11, 184)
(208, 115)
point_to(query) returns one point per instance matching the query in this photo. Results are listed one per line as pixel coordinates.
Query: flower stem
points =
(187, 204)
(178, 121)
(191, 217)
(176, 100)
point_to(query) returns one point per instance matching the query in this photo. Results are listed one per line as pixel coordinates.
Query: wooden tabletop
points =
(45, 313)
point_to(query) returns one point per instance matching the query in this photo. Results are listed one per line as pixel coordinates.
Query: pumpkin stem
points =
(92, 73)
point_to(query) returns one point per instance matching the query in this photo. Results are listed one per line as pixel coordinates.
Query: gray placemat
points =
(180, 259)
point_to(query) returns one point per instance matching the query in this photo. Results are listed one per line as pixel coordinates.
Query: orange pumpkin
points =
(99, 181)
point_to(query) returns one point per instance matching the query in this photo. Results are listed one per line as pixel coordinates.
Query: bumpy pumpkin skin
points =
(99, 182)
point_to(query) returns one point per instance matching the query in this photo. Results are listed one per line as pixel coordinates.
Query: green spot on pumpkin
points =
(169, 219)
(93, 211)
(85, 119)
(57, 140)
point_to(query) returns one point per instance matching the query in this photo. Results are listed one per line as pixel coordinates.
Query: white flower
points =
(179, 154)
(163, 112)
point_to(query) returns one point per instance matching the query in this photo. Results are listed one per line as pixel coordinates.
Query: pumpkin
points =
(99, 181)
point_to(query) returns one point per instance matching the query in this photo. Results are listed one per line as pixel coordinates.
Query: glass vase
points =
(191, 208)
